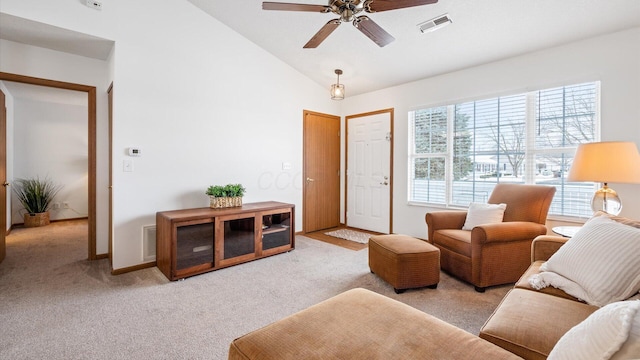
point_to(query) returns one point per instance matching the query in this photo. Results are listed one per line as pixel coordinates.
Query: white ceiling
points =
(482, 31)
(35, 33)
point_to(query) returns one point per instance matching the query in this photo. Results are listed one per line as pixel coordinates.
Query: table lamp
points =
(612, 161)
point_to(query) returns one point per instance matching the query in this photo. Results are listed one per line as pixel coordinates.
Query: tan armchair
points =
(492, 254)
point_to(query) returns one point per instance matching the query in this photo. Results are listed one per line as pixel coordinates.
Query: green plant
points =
(34, 194)
(229, 190)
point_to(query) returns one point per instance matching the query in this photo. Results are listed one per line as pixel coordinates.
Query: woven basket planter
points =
(225, 202)
(35, 220)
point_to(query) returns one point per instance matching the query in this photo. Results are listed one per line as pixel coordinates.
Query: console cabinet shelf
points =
(194, 241)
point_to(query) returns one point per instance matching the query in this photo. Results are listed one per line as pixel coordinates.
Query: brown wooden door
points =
(3, 177)
(321, 176)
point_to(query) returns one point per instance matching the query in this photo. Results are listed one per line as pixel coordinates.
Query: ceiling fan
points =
(347, 10)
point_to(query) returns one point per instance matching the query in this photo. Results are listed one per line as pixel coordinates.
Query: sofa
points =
(531, 322)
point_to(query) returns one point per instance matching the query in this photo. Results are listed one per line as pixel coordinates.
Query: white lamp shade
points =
(614, 161)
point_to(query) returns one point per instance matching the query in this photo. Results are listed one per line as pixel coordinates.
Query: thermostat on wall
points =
(134, 151)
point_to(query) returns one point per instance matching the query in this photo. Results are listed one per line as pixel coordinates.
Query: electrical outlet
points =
(56, 206)
(65, 205)
(94, 4)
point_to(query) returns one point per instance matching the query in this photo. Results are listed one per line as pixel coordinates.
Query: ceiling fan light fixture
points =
(337, 89)
(435, 23)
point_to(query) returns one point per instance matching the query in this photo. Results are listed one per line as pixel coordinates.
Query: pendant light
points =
(337, 89)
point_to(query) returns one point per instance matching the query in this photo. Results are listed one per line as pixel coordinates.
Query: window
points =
(459, 152)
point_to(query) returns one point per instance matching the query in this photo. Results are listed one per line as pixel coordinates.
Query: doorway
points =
(91, 166)
(369, 178)
(321, 174)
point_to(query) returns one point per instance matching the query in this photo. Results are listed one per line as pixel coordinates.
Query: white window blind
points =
(459, 152)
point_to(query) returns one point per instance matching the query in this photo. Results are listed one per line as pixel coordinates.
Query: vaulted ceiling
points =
(482, 31)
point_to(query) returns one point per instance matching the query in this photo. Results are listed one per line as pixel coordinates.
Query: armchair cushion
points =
(600, 264)
(479, 214)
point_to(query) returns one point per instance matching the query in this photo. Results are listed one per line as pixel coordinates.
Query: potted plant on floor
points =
(229, 195)
(36, 196)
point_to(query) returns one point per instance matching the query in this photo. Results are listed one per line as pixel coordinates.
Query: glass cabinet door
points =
(239, 237)
(276, 230)
(194, 245)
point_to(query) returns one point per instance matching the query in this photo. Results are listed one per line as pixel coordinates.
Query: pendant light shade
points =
(337, 89)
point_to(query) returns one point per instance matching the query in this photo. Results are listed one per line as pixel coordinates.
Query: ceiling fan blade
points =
(325, 31)
(384, 5)
(294, 7)
(373, 31)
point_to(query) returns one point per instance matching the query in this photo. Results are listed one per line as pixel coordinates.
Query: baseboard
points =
(102, 256)
(133, 268)
(50, 221)
(70, 219)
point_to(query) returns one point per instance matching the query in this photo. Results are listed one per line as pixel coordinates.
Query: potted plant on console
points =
(36, 196)
(229, 195)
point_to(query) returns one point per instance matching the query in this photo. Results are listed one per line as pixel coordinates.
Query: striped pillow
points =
(620, 219)
(608, 333)
(599, 265)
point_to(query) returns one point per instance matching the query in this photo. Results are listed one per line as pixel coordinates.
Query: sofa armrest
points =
(506, 231)
(544, 246)
(444, 220)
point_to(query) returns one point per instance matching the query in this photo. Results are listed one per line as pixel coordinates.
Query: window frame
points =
(531, 151)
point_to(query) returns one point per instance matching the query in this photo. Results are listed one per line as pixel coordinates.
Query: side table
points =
(566, 231)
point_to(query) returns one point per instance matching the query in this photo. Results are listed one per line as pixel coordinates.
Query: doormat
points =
(352, 235)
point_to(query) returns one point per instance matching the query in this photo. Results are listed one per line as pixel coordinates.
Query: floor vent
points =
(149, 243)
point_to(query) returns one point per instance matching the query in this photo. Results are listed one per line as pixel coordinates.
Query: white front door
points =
(369, 172)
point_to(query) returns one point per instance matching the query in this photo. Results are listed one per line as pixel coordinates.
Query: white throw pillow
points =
(479, 214)
(609, 333)
(600, 264)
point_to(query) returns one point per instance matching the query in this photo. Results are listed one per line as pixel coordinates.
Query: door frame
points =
(3, 176)
(346, 161)
(91, 122)
(110, 149)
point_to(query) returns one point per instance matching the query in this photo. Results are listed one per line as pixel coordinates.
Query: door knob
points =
(384, 183)
(6, 184)
(310, 179)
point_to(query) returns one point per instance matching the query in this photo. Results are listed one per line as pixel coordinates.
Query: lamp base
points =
(606, 199)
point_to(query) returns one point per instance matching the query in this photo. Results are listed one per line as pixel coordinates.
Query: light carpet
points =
(57, 305)
(352, 235)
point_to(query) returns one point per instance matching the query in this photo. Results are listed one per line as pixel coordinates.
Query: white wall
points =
(613, 59)
(9, 103)
(53, 145)
(205, 105)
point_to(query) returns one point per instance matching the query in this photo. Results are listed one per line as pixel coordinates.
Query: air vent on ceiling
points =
(435, 23)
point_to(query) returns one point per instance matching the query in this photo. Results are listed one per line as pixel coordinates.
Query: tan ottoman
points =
(362, 325)
(404, 261)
